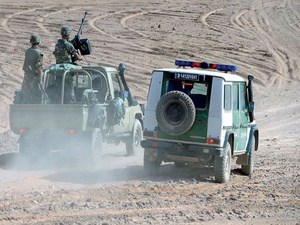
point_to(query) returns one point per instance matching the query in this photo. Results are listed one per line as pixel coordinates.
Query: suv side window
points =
(227, 97)
(242, 96)
(235, 97)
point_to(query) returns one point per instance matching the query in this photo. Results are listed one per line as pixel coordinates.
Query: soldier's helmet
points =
(65, 30)
(35, 39)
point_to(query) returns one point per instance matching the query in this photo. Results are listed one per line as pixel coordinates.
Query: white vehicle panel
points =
(215, 118)
(154, 96)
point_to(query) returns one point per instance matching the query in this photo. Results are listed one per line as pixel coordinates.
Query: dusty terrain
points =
(262, 37)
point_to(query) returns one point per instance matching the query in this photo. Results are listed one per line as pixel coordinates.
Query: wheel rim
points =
(137, 137)
(227, 164)
(174, 113)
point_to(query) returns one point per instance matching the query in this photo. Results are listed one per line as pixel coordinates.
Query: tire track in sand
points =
(259, 18)
(130, 16)
(124, 19)
(40, 22)
(256, 22)
(14, 76)
(206, 15)
(92, 24)
(235, 19)
(6, 20)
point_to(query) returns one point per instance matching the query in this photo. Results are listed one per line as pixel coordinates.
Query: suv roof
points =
(205, 65)
(225, 76)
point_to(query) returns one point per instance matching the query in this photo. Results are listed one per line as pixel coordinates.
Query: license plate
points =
(186, 76)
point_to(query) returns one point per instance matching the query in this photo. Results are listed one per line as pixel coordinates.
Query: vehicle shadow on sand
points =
(168, 172)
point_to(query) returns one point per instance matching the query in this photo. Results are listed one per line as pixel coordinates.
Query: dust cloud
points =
(71, 166)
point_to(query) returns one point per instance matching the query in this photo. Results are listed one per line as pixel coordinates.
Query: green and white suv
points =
(200, 116)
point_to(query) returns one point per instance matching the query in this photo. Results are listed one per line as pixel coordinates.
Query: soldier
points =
(33, 63)
(64, 51)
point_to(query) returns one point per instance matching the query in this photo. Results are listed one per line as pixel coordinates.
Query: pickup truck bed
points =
(34, 119)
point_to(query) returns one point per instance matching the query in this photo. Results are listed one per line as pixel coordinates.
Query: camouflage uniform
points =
(64, 51)
(31, 93)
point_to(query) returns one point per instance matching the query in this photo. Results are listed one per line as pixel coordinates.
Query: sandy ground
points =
(262, 37)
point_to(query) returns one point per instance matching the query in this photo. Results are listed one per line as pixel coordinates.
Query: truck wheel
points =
(134, 143)
(222, 166)
(94, 145)
(152, 161)
(175, 113)
(248, 169)
(24, 146)
(29, 149)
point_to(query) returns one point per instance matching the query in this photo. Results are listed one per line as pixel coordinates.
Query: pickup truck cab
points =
(200, 116)
(103, 110)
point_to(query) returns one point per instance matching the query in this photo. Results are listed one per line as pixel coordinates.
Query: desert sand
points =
(261, 37)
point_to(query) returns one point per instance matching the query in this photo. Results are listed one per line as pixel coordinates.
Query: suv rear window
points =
(196, 91)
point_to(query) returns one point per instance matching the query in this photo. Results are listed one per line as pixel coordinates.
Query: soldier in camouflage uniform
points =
(64, 51)
(33, 63)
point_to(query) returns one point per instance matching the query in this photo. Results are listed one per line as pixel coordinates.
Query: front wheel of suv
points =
(248, 169)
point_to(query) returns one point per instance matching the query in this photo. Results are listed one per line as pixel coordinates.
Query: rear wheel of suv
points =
(248, 169)
(222, 166)
(152, 161)
(175, 113)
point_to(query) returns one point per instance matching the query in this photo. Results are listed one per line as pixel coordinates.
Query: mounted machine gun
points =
(82, 44)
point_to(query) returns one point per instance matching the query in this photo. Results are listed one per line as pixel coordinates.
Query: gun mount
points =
(82, 44)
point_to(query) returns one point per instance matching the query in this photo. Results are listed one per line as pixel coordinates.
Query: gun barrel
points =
(81, 25)
(81, 44)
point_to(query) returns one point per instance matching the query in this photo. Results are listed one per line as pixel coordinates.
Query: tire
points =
(175, 113)
(222, 166)
(134, 144)
(93, 142)
(248, 169)
(25, 146)
(151, 168)
(30, 148)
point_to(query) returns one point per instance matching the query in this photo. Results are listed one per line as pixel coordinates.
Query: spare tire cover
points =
(175, 113)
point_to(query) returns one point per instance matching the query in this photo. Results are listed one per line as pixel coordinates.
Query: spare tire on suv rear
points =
(175, 113)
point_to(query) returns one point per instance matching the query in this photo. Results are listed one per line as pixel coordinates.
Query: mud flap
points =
(151, 154)
(242, 159)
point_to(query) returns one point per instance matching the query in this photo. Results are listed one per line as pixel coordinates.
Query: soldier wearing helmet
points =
(33, 63)
(64, 50)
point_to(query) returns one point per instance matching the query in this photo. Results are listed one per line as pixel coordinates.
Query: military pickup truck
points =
(103, 110)
(200, 116)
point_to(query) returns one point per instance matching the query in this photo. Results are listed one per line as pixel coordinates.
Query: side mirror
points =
(251, 107)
